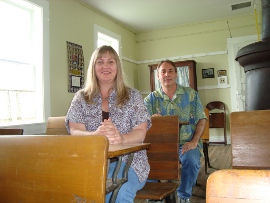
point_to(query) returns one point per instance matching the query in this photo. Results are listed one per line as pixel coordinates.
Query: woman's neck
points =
(105, 94)
(105, 90)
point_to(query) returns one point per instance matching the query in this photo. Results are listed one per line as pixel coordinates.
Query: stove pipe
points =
(255, 59)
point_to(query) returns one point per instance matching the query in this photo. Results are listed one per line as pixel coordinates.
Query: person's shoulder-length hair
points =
(167, 61)
(92, 86)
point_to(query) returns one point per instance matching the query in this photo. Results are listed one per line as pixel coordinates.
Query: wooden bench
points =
(11, 131)
(250, 139)
(47, 169)
(238, 186)
(163, 157)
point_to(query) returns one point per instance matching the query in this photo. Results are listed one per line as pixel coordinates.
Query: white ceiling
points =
(142, 15)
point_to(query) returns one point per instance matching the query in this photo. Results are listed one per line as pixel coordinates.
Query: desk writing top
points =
(122, 149)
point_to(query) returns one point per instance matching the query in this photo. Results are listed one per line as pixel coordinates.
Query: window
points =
(103, 36)
(24, 62)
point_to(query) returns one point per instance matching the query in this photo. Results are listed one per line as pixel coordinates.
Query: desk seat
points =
(163, 158)
(56, 126)
(238, 186)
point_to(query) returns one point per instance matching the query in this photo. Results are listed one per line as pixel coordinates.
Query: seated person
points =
(106, 106)
(173, 99)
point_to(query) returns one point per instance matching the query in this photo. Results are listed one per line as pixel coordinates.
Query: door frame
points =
(233, 46)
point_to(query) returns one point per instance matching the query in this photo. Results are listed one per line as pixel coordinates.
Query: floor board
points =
(220, 158)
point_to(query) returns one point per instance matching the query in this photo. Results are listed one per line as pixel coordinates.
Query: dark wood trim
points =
(192, 73)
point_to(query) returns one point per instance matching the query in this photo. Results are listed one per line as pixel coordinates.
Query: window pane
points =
(15, 76)
(183, 76)
(15, 24)
(22, 61)
(17, 106)
(104, 39)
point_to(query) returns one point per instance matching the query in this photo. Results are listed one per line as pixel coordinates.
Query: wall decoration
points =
(222, 81)
(75, 67)
(208, 73)
(221, 73)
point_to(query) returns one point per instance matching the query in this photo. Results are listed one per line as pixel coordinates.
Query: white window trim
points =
(40, 128)
(98, 28)
(46, 59)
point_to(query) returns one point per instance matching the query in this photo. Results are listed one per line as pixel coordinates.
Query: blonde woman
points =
(107, 106)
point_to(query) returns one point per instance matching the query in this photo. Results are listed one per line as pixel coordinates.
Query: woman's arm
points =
(137, 135)
(79, 129)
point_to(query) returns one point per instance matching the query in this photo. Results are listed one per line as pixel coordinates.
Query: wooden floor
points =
(220, 158)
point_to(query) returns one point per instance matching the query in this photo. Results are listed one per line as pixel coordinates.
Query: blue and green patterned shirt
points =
(185, 103)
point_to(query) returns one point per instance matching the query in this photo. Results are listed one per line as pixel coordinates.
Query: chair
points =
(217, 119)
(11, 131)
(238, 186)
(205, 140)
(250, 139)
(163, 157)
(49, 169)
(56, 126)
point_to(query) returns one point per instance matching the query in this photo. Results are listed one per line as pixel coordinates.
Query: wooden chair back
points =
(217, 119)
(250, 139)
(163, 157)
(56, 126)
(11, 131)
(216, 105)
(238, 186)
(49, 169)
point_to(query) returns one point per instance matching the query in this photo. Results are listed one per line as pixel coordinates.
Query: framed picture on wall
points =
(75, 67)
(208, 73)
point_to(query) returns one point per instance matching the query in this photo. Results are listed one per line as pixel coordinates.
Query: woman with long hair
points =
(107, 106)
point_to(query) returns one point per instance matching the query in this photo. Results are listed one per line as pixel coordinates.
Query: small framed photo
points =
(208, 73)
(75, 81)
(221, 73)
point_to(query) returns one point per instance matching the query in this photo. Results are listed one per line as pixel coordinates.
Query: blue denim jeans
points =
(129, 189)
(190, 161)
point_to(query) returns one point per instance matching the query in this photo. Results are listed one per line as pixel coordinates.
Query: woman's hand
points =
(108, 129)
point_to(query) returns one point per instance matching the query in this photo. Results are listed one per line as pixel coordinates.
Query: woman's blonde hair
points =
(92, 86)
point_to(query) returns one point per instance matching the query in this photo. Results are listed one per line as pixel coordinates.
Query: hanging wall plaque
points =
(75, 67)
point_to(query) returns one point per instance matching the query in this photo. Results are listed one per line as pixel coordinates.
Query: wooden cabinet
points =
(186, 71)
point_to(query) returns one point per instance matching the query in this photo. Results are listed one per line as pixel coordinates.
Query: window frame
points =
(39, 127)
(111, 34)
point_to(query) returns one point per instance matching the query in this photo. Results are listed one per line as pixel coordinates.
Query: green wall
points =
(73, 21)
(206, 43)
(204, 38)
